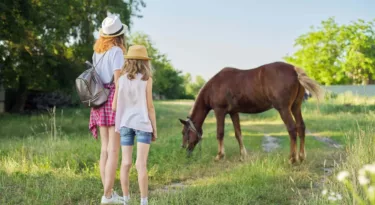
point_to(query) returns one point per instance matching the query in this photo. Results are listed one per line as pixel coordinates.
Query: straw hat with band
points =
(137, 52)
(112, 27)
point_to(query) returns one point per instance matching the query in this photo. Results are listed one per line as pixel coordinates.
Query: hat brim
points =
(110, 36)
(137, 58)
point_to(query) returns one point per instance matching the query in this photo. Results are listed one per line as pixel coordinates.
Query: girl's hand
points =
(154, 137)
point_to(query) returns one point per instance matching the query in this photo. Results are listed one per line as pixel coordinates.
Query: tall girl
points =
(108, 59)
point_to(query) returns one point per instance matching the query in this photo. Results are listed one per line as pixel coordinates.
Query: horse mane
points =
(198, 98)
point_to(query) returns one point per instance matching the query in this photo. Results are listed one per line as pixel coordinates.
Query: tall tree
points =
(338, 54)
(359, 53)
(193, 87)
(44, 42)
(168, 81)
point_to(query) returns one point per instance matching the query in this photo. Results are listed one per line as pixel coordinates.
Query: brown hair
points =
(105, 43)
(134, 66)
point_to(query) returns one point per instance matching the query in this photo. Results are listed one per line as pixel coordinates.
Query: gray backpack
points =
(90, 88)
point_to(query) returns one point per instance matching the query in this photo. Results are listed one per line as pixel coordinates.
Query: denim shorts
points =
(128, 134)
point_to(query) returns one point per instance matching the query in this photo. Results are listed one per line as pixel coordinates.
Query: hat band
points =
(115, 33)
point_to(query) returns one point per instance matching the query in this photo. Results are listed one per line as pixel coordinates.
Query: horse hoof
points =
(301, 157)
(219, 157)
(292, 160)
(243, 157)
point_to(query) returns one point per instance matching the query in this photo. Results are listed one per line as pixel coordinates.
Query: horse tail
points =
(309, 84)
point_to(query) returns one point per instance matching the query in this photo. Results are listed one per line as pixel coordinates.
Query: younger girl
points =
(135, 116)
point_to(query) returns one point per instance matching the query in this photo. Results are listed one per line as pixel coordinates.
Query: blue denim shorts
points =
(128, 134)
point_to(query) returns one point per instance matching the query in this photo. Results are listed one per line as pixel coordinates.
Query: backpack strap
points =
(99, 60)
(112, 80)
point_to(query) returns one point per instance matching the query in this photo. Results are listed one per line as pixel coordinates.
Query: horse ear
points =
(183, 121)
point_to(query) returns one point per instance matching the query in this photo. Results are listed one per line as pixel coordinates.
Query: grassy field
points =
(50, 158)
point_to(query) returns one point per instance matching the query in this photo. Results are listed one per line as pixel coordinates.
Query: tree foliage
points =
(43, 43)
(193, 87)
(338, 54)
(168, 81)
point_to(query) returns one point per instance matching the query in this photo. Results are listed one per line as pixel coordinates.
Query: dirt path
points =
(270, 143)
(326, 140)
(173, 187)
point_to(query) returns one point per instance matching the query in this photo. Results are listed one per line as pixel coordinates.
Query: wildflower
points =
(324, 192)
(338, 196)
(342, 175)
(332, 198)
(363, 180)
(362, 172)
(370, 168)
(367, 168)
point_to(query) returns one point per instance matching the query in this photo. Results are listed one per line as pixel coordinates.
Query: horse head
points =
(190, 135)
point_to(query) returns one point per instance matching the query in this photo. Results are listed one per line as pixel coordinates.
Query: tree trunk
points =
(371, 79)
(21, 96)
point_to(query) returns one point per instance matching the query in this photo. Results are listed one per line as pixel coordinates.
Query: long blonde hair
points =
(103, 44)
(134, 66)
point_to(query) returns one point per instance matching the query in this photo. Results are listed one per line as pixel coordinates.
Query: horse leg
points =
(220, 120)
(237, 130)
(286, 116)
(300, 126)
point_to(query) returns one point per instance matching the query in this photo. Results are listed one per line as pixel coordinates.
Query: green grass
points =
(41, 166)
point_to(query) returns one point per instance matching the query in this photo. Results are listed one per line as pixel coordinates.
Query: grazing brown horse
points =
(232, 91)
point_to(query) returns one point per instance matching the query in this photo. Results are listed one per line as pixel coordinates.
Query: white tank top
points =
(131, 110)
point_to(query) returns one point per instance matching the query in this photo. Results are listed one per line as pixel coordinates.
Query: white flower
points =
(362, 172)
(332, 193)
(332, 198)
(367, 168)
(363, 180)
(324, 192)
(338, 196)
(341, 176)
(370, 168)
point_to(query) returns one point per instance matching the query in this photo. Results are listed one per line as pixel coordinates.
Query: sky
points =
(203, 36)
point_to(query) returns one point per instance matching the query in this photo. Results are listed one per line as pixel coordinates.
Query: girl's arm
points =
(116, 77)
(151, 108)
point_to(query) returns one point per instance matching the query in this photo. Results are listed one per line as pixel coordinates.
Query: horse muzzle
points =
(189, 152)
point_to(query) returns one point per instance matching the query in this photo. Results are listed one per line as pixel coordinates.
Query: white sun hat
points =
(112, 27)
